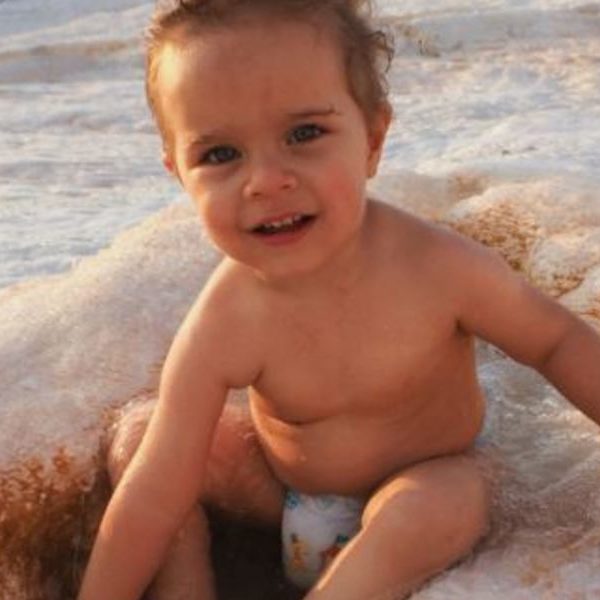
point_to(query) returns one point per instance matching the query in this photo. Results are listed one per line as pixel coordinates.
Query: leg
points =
(414, 526)
(187, 573)
(238, 481)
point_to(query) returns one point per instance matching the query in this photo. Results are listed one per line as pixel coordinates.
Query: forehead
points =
(255, 66)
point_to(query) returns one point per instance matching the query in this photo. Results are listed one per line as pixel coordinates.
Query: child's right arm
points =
(165, 478)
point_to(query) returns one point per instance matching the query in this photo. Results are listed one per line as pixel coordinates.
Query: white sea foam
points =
(498, 104)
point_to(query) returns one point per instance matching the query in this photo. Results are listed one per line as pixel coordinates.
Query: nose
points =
(268, 177)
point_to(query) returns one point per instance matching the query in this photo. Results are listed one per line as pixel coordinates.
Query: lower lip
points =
(285, 237)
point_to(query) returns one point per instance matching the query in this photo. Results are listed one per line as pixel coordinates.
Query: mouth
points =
(290, 224)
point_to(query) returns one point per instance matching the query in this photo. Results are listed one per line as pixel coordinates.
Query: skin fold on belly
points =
(352, 454)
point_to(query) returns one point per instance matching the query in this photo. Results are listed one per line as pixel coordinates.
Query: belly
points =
(352, 453)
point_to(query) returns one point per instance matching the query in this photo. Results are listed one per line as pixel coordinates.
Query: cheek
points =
(212, 212)
(215, 217)
(347, 168)
(343, 185)
(210, 205)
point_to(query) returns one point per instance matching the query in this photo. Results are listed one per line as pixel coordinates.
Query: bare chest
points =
(356, 359)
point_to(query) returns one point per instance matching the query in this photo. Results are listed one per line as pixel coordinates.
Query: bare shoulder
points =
(462, 274)
(471, 284)
(434, 248)
(230, 293)
(221, 326)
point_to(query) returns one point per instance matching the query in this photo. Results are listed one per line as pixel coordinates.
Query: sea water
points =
(100, 253)
(80, 160)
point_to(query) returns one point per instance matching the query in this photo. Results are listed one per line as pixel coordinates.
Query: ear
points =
(169, 163)
(377, 132)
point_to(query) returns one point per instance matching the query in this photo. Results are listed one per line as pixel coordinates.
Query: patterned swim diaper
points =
(314, 530)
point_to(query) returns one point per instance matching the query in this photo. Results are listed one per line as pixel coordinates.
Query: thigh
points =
(446, 494)
(417, 523)
(238, 481)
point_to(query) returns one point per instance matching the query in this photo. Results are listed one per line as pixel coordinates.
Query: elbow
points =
(555, 343)
(141, 510)
(570, 341)
(543, 360)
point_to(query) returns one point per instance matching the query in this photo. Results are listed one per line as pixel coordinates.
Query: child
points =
(351, 324)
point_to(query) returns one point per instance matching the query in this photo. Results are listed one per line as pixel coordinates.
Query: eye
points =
(219, 155)
(305, 133)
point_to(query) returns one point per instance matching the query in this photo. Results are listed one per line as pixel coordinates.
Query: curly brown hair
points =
(367, 51)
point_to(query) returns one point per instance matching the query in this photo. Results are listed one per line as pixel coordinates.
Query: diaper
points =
(314, 530)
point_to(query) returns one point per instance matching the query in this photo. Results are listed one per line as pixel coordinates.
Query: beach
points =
(496, 133)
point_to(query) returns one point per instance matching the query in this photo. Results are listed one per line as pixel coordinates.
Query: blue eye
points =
(305, 133)
(219, 155)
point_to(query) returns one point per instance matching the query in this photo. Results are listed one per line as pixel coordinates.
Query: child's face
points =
(269, 143)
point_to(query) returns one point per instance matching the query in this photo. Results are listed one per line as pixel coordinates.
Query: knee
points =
(445, 505)
(238, 479)
(128, 433)
(462, 511)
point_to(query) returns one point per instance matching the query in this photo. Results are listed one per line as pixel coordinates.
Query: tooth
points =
(276, 225)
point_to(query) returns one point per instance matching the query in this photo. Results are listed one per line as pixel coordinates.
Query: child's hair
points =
(367, 51)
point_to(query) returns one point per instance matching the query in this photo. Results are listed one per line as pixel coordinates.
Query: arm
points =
(499, 306)
(164, 479)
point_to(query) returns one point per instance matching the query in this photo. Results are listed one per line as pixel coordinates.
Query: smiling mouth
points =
(287, 225)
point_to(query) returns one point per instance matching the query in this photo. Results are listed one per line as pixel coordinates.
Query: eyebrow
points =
(208, 138)
(315, 112)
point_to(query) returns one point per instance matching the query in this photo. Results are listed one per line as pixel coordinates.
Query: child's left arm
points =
(498, 305)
